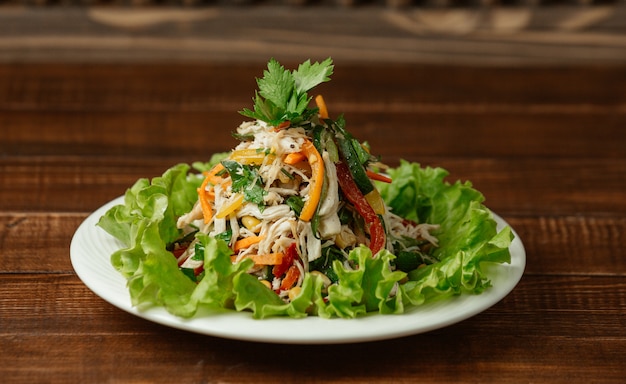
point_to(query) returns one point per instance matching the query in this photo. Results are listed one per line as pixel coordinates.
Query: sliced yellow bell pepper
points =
(376, 201)
(252, 156)
(231, 206)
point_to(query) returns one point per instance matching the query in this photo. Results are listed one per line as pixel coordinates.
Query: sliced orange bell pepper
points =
(321, 105)
(316, 181)
(294, 158)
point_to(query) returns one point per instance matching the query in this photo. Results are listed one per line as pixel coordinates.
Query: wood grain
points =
(516, 32)
(561, 111)
(198, 134)
(555, 186)
(536, 316)
(554, 245)
(545, 145)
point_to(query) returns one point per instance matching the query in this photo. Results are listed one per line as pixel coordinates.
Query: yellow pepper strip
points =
(204, 196)
(376, 201)
(235, 202)
(251, 156)
(316, 182)
(321, 105)
(246, 242)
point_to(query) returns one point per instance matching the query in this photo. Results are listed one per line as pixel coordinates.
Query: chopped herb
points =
(226, 235)
(246, 179)
(324, 264)
(295, 203)
(199, 252)
(287, 173)
(190, 273)
(282, 94)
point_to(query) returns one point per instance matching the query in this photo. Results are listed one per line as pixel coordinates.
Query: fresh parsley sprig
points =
(282, 94)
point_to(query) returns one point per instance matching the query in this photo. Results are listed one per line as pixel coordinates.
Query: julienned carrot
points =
(321, 105)
(378, 176)
(246, 242)
(205, 204)
(290, 278)
(294, 158)
(283, 125)
(316, 182)
(267, 258)
(211, 175)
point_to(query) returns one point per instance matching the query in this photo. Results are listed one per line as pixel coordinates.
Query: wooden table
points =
(546, 145)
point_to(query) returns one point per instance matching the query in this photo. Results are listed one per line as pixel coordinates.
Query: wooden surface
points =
(476, 32)
(546, 145)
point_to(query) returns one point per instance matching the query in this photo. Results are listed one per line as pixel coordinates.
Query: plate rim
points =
(106, 283)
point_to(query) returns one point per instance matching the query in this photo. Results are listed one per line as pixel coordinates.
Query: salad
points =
(301, 219)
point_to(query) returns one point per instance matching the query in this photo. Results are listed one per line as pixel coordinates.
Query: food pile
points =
(301, 219)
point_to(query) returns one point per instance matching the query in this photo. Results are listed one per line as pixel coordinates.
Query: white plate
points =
(90, 252)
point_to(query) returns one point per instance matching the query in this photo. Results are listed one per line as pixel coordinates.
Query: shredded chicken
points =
(273, 227)
(189, 217)
(401, 228)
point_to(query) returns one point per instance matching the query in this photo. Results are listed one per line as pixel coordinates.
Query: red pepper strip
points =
(287, 268)
(179, 252)
(290, 255)
(354, 195)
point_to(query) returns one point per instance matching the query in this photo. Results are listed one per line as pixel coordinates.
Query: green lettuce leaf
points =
(467, 236)
(216, 287)
(158, 280)
(365, 288)
(149, 204)
(146, 224)
(254, 296)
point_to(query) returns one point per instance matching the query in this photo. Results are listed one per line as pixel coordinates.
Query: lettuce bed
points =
(146, 224)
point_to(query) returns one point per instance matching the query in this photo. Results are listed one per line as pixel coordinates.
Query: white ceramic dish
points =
(90, 252)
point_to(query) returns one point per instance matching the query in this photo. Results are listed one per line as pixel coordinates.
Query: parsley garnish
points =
(282, 94)
(246, 178)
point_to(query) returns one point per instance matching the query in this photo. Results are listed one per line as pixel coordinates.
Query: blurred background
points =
(457, 32)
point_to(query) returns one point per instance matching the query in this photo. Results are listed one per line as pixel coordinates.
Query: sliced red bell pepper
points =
(287, 268)
(178, 252)
(355, 196)
(290, 256)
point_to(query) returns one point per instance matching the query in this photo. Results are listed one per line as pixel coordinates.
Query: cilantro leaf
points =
(282, 94)
(247, 179)
(277, 84)
(308, 75)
